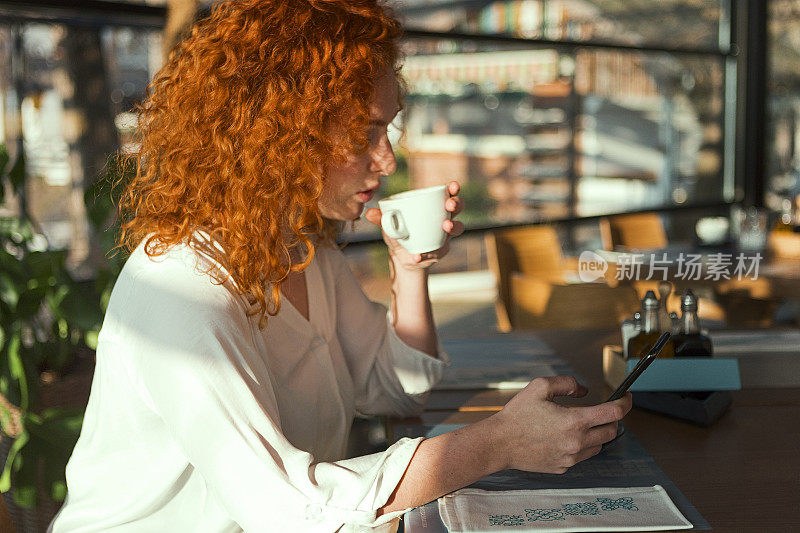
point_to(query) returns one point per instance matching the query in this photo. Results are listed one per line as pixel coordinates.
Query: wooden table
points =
(742, 473)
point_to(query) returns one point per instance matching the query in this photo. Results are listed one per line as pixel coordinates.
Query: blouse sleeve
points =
(390, 377)
(192, 360)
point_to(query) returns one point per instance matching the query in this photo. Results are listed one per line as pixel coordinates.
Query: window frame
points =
(742, 47)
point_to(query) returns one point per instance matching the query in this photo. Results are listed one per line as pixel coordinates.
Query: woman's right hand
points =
(536, 434)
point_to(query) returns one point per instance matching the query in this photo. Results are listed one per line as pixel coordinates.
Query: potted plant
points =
(49, 323)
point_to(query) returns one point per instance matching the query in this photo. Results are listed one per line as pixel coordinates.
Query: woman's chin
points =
(346, 214)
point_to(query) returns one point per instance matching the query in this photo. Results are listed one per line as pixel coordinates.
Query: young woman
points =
(237, 346)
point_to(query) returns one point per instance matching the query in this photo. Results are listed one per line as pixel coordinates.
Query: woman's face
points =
(349, 185)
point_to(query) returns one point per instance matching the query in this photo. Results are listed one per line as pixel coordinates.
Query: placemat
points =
(499, 362)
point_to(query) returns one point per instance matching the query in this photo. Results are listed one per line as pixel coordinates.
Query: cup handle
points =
(393, 224)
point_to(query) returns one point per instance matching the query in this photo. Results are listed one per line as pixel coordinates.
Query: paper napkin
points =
(595, 509)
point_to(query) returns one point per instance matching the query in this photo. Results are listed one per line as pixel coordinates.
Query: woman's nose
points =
(383, 159)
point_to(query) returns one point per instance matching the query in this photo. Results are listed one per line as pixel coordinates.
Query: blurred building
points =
(552, 134)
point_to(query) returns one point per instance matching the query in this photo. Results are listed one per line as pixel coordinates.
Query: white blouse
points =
(200, 422)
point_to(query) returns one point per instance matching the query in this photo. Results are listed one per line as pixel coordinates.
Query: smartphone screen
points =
(640, 367)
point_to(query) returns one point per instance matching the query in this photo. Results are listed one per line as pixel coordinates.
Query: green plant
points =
(101, 200)
(46, 318)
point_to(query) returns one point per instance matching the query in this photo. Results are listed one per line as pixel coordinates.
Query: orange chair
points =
(637, 231)
(533, 290)
(783, 245)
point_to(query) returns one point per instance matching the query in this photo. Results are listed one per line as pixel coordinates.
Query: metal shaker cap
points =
(688, 301)
(650, 301)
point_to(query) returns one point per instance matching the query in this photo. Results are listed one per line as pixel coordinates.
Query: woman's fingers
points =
(593, 441)
(373, 214)
(584, 454)
(453, 187)
(436, 254)
(548, 388)
(599, 435)
(537, 434)
(454, 204)
(607, 412)
(454, 228)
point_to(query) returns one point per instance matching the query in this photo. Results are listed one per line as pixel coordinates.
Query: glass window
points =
(532, 132)
(671, 23)
(783, 106)
(149, 2)
(541, 134)
(202, 3)
(649, 130)
(66, 138)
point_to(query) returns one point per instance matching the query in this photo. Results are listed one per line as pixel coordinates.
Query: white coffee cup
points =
(414, 218)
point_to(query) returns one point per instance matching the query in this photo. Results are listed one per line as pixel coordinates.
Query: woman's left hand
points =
(401, 258)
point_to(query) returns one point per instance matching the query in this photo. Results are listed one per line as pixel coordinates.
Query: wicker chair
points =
(534, 291)
(637, 231)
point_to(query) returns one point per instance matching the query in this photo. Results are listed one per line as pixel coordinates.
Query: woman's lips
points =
(365, 196)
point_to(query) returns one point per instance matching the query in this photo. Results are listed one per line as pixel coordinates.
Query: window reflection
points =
(635, 22)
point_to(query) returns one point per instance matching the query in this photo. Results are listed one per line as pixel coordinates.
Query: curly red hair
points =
(237, 130)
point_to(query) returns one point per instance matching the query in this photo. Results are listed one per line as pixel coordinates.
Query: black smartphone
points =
(640, 367)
